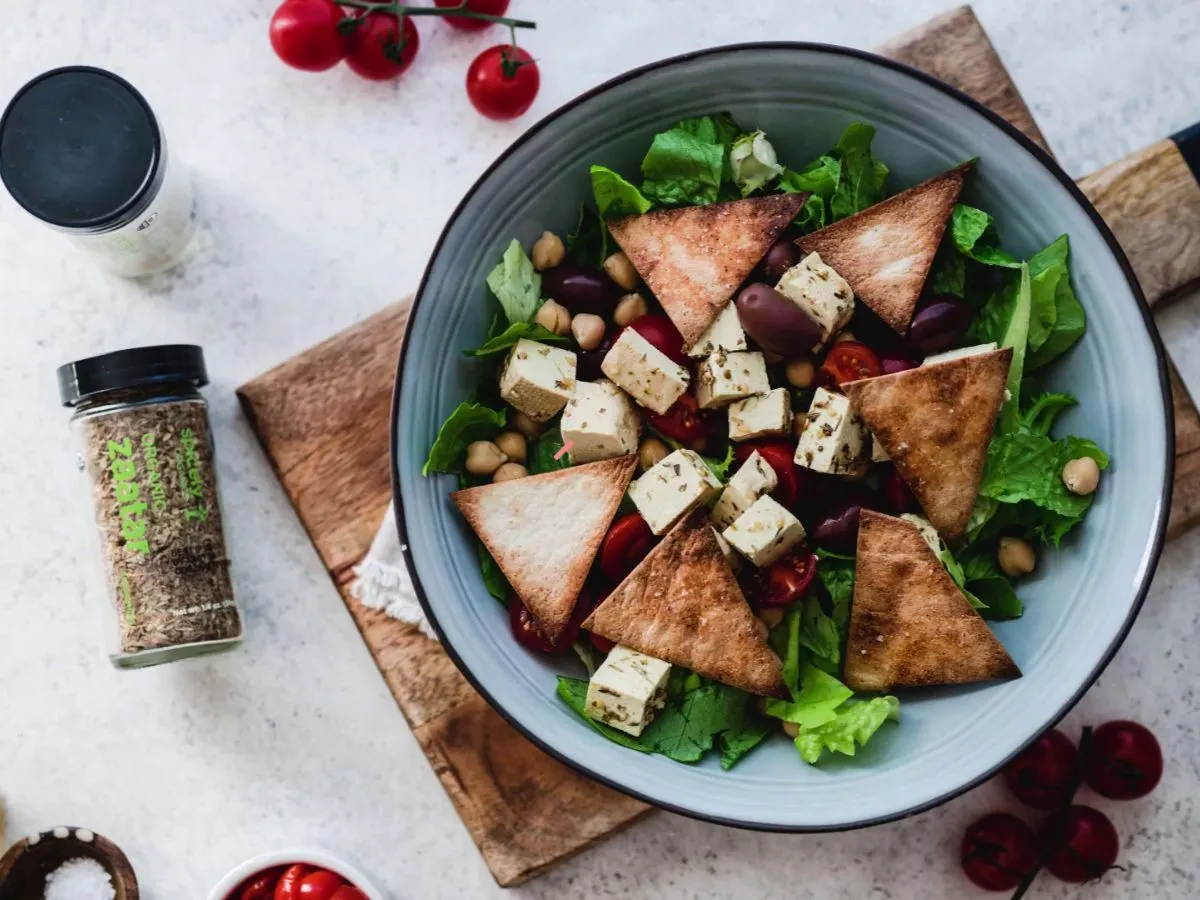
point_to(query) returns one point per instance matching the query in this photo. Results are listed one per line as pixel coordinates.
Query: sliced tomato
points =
(627, 543)
(348, 892)
(784, 582)
(528, 631)
(684, 421)
(320, 885)
(288, 887)
(594, 593)
(848, 361)
(261, 886)
(779, 456)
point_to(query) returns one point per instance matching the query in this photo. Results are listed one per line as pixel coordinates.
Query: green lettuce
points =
(541, 455)
(814, 703)
(587, 245)
(615, 196)
(1061, 319)
(513, 333)
(754, 163)
(819, 179)
(1041, 411)
(493, 578)
(686, 164)
(863, 177)
(516, 284)
(854, 724)
(1005, 320)
(468, 422)
(973, 234)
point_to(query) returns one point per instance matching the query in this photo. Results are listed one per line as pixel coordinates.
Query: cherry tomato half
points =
(1041, 775)
(261, 886)
(848, 361)
(784, 582)
(528, 632)
(662, 334)
(348, 892)
(997, 851)
(1124, 761)
(502, 82)
(593, 595)
(381, 48)
(684, 420)
(304, 34)
(627, 543)
(779, 456)
(288, 887)
(490, 7)
(320, 885)
(1082, 843)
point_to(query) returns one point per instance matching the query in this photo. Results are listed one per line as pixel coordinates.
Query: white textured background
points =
(321, 196)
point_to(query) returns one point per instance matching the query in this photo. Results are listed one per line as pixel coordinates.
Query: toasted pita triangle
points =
(544, 531)
(683, 605)
(934, 422)
(885, 251)
(694, 258)
(910, 625)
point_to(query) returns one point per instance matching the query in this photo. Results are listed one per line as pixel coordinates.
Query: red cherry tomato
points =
(528, 631)
(381, 48)
(288, 887)
(1124, 761)
(304, 34)
(320, 885)
(662, 334)
(779, 456)
(895, 492)
(490, 7)
(593, 595)
(348, 892)
(1041, 775)
(502, 82)
(627, 543)
(1082, 844)
(848, 361)
(683, 421)
(784, 582)
(261, 886)
(997, 851)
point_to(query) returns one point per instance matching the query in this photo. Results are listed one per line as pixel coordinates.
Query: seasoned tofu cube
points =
(627, 690)
(878, 454)
(731, 557)
(751, 481)
(725, 377)
(725, 333)
(672, 488)
(537, 379)
(960, 353)
(765, 532)
(834, 439)
(645, 372)
(599, 423)
(928, 532)
(758, 416)
(821, 292)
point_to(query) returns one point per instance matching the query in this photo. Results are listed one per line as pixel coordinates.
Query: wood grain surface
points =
(322, 418)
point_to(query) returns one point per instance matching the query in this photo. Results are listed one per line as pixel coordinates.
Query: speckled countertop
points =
(321, 197)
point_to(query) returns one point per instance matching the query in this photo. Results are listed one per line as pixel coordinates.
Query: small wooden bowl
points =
(23, 869)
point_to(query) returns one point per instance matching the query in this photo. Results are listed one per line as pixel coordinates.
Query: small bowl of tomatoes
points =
(293, 875)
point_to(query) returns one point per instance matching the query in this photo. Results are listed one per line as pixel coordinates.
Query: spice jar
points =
(147, 453)
(81, 150)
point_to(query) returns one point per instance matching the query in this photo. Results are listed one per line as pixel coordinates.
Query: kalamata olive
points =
(776, 323)
(582, 290)
(891, 363)
(837, 529)
(587, 362)
(938, 324)
(895, 492)
(781, 257)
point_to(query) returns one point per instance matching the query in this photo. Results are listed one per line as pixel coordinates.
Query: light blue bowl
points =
(1083, 598)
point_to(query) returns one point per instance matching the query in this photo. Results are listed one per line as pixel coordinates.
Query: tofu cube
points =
(627, 690)
(537, 379)
(731, 557)
(834, 439)
(765, 532)
(599, 423)
(821, 292)
(751, 481)
(725, 333)
(758, 416)
(878, 454)
(672, 488)
(645, 372)
(724, 377)
(960, 353)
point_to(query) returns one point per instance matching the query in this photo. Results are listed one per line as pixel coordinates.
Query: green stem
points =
(400, 10)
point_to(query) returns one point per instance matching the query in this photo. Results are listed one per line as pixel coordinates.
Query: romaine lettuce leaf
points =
(863, 177)
(753, 162)
(996, 594)
(468, 422)
(1050, 270)
(615, 196)
(1029, 467)
(683, 166)
(814, 704)
(493, 578)
(516, 284)
(738, 741)
(855, 723)
(1005, 320)
(973, 234)
(540, 457)
(587, 245)
(1042, 409)
(513, 333)
(819, 179)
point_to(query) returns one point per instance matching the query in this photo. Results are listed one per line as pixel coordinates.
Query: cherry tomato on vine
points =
(627, 543)
(288, 887)
(684, 420)
(261, 886)
(320, 885)
(490, 7)
(305, 35)
(1041, 775)
(381, 48)
(848, 361)
(1082, 844)
(997, 851)
(503, 82)
(528, 632)
(1124, 761)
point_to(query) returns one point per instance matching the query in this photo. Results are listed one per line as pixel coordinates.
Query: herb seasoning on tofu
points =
(147, 453)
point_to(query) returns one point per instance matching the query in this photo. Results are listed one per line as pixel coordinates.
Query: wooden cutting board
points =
(323, 419)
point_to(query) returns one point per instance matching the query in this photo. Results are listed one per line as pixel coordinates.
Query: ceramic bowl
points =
(313, 857)
(1083, 598)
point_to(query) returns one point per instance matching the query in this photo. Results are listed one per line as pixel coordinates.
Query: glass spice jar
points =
(146, 450)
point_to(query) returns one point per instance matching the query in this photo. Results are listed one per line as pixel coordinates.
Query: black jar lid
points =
(140, 367)
(80, 148)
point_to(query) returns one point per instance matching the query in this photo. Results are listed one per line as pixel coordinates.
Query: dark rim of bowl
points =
(1039, 154)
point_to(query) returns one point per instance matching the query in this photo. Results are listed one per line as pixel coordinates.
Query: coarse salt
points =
(79, 879)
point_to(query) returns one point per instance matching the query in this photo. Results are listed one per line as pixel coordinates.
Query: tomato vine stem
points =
(400, 10)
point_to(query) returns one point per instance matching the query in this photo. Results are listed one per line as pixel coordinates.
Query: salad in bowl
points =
(763, 442)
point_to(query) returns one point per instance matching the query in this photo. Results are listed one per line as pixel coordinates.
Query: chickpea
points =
(845, 336)
(508, 472)
(651, 453)
(799, 420)
(772, 615)
(588, 330)
(621, 270)
(484, 458)
(1015, 557)
(548, 251)
(632, 306)
(791, 729)
(553, 316)
(525, 425)
(1081, 476)
(800, 373)
(512, 444)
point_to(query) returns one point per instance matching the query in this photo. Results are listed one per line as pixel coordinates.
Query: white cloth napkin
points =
(382, 580)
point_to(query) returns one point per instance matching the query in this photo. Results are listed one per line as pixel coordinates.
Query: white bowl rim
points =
(1042, 156)
(311, 855)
